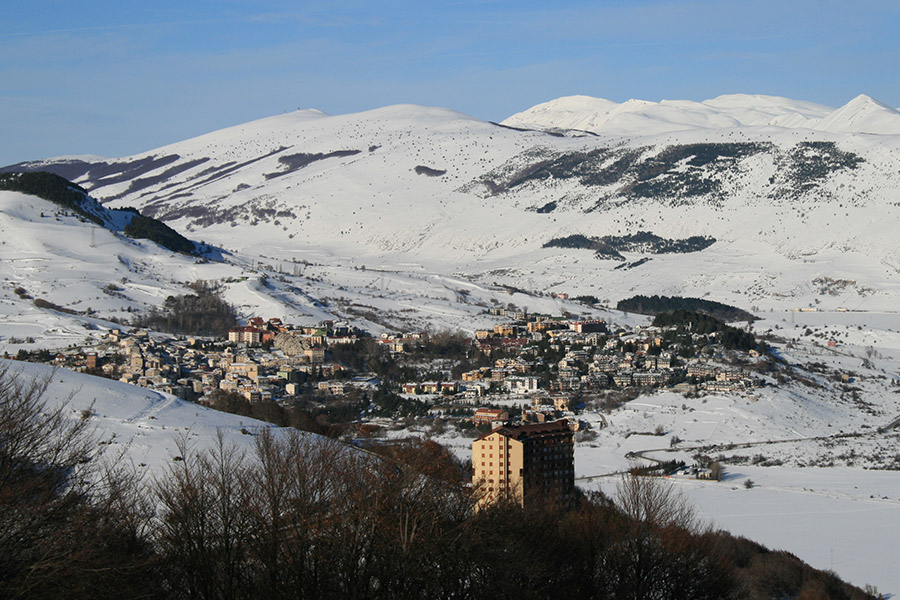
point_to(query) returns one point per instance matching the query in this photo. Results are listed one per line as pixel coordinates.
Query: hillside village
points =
(551, 366)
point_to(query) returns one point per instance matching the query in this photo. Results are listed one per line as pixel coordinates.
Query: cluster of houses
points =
(592, 359)
(250, 364)
(544, 359)
(261, 331)
(543, 409)
(401, 342)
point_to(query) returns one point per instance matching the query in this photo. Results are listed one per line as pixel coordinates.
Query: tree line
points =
(653, 305)
(704, 324)
(50, 187)
(202, 313)
(141, 227)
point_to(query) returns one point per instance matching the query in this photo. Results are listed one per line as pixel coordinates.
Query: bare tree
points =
(202, 533)
(662, 551)
(293, 491)
(654, 501)
(71, 524)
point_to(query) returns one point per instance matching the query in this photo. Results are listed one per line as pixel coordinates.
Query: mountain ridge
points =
(641, 117)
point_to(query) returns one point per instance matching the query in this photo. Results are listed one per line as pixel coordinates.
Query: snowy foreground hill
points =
(143, 426)
(409, 217)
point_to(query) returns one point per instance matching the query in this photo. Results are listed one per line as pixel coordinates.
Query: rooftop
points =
(531, 430)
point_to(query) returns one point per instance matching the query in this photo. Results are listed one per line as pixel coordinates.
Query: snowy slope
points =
(144, 425)
(584, 113)
(103, 279)
(95, 274)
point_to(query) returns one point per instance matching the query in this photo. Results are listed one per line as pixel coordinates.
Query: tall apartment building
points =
(525, 463)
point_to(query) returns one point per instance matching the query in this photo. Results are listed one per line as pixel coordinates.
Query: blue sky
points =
(117, 78)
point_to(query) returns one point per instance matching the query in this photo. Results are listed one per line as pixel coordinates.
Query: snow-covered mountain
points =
(68, 279)
(640, 117)
(381, 209)
(861, 115)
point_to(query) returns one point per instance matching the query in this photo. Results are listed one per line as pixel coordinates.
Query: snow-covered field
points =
(843, 519)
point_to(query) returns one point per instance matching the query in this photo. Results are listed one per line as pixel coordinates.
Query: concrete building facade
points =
(525, 463)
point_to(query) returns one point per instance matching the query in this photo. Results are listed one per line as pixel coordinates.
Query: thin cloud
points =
(106, 28)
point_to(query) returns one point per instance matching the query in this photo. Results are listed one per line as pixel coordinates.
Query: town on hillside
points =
(529, 368)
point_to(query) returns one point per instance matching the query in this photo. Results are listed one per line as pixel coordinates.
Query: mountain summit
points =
(863, 114)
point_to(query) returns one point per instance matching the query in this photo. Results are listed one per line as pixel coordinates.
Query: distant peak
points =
(580, 97)
(579, 101)
(310, 112)
(866, 100)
